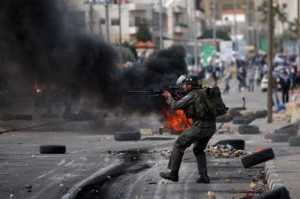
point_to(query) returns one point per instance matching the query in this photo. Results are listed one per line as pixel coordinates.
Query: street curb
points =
(97, 176)
(272, 177)
(26, 125)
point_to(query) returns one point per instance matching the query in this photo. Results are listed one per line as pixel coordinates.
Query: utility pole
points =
(270, 60)
(298, 25)
(248, 22)
(107, 20)
(120, 33)
(91, 17)
(195, 38)
(214, 22)
(235, 27)
(160, 25)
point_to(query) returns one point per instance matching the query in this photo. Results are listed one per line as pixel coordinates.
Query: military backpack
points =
(208, 105)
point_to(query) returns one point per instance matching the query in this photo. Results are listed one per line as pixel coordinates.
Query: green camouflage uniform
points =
(198, 134)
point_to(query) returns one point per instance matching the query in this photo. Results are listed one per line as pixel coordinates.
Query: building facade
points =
(169, 21)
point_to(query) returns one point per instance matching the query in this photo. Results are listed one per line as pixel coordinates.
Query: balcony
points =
(177, 9)
(138, 6)
(178, 29)
(199, 14)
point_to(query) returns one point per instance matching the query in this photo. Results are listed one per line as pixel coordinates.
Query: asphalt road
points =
(96, 166)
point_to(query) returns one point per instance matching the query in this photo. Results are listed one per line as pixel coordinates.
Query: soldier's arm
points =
(181, 103)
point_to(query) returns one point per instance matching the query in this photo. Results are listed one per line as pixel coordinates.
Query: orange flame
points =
(176, 120)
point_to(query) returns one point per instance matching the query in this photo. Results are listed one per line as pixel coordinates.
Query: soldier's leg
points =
(184, 140)
(198, 149)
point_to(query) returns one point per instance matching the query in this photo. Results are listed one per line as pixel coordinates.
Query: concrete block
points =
(146, 131)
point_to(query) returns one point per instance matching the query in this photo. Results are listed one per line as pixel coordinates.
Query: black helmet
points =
(192, 79)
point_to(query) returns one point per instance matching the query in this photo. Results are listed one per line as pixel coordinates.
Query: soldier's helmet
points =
(192, 79)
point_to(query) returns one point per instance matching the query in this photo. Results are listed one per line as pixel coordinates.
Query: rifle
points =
(174, 90)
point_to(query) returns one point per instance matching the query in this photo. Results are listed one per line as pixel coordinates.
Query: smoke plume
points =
(36, 35)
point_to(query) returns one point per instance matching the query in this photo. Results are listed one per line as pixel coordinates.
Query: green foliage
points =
(131, 47)
(219, 35)
(279, 39)
(293, 28)
(143, 33)
(278, 12)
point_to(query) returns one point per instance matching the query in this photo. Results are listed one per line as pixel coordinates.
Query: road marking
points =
(41, 176)
(69, 164)
(61, 162)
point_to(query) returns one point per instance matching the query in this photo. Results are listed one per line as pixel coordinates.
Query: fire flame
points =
(176, 120)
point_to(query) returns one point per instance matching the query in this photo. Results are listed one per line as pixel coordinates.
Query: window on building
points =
(77, 18)
(137, 20)
(102, 21)
(115, 22)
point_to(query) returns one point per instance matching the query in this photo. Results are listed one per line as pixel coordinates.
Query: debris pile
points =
(224, 151)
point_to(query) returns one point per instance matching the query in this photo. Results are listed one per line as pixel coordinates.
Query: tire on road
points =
(224, 118)
(242, 119)
(294, 141)
(277, 137)
(235, 111)
(261, 114)
(291, 130)
(258, 157)
(22, 117)
(53, 149)
(279, 193)
(127, 136)
(248, 129)
(238, 144)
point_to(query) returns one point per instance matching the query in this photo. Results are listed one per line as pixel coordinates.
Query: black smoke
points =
(36, 35)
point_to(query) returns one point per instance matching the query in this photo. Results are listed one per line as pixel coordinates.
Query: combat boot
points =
(203, 179)
(172, 175)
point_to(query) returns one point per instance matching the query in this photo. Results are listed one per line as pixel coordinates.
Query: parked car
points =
(280, 58)
(264, 83)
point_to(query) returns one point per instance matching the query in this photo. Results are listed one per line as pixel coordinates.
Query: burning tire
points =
(238, 144)
(279, 193)
(53, 149)
(248, 129)
(277, 137)
(258, 157)
(294, 141)
(127, 136)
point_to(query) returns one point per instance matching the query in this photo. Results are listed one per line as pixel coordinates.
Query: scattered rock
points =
(211, 195)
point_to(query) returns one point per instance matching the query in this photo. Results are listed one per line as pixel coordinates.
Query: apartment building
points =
(181, 20)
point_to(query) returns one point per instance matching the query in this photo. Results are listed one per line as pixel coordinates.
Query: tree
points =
(143, 33)
(219, 35)
(278, 12)
(293, 28)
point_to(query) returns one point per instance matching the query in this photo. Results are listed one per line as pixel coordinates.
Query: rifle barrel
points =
(139, 91)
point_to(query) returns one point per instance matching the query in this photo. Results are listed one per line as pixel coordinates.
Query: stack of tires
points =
(288, 133)
(248, 129)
